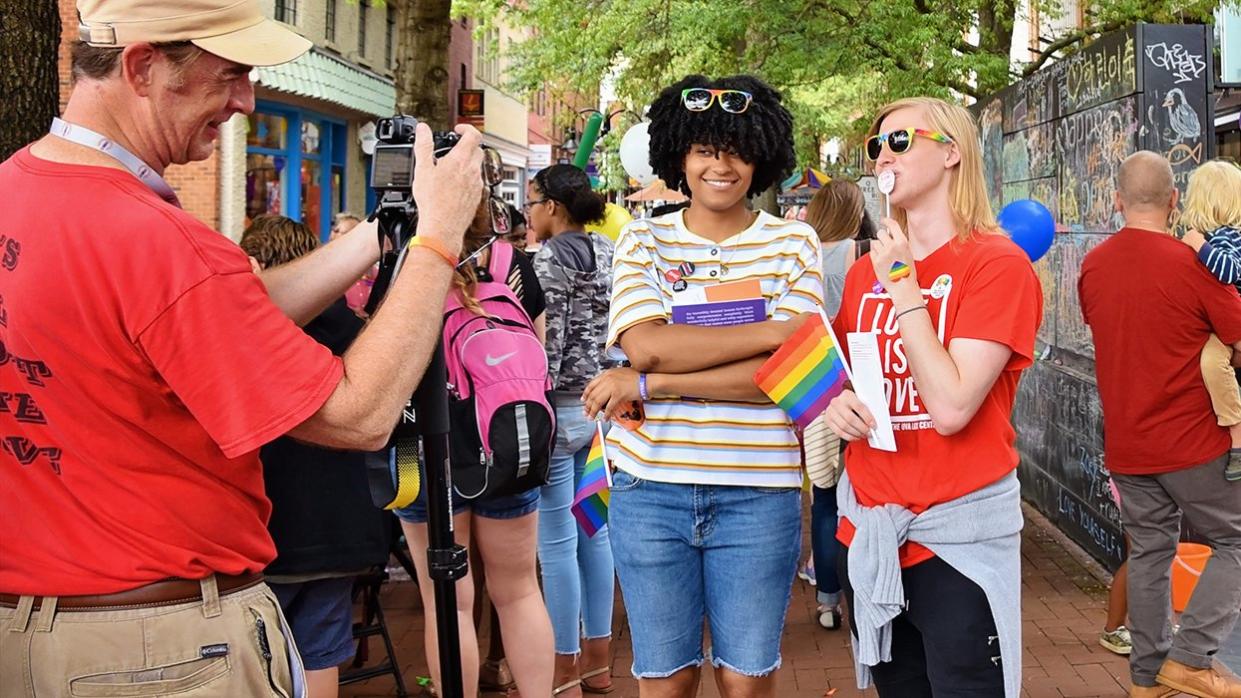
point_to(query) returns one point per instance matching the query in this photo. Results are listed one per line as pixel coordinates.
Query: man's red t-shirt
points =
(981, 288)
(1151, 305)
(141, 367)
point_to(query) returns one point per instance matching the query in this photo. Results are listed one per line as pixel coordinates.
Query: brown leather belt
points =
(168, 592)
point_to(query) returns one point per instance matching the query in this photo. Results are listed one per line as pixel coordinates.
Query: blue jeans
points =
(319, 613)
(823, 543)
(578, 577)
(685, 552)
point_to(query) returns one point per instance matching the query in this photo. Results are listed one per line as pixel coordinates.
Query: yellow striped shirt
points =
(711, 442)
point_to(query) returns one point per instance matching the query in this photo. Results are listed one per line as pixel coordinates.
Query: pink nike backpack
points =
(502, 425)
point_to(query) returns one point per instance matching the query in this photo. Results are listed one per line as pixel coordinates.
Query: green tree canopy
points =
(836, 60)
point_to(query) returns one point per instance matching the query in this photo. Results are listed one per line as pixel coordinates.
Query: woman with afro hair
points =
(705, 506)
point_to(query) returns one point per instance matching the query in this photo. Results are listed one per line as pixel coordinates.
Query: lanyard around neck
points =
(84, 136)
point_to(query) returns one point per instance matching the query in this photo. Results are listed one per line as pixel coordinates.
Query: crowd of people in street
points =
(185, 475)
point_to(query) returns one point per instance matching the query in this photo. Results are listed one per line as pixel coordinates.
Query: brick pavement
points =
(1064, 601)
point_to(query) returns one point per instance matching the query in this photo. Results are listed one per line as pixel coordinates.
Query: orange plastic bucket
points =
(1187, 566)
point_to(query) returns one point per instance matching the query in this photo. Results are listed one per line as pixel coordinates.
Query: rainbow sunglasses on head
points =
(701, 98)
(900, 141)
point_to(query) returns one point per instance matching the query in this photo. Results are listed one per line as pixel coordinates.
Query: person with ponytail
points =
(575, 270)
(502, 528)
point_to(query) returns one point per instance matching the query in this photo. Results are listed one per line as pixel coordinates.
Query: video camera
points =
(392, 166)
(392, 178)
(392, 169)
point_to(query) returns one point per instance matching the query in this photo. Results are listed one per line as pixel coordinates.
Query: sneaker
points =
(806, 573)
(1232, 471)
(829, 617)
(1117, 641)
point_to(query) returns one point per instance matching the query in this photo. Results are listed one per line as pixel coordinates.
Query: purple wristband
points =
(642, 388)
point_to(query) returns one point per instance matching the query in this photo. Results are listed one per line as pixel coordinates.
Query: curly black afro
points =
(762, 135)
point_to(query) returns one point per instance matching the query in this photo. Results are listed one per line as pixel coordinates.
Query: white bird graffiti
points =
(1182, 118)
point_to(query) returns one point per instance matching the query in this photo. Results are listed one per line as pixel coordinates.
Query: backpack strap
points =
(501, 262)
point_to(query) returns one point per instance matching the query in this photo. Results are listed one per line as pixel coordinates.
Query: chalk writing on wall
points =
(1046, 268)
(1183, 65)
(1105, 71)
(992, 133)
(1030, 153)
(1176, 119)
(1090, 146)
(1072, 333)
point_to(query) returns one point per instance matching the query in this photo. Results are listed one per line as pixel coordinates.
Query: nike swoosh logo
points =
(497, 360)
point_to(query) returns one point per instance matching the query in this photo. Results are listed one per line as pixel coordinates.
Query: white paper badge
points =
(941, 287)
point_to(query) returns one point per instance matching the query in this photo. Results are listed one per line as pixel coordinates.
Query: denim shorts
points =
(688, 552)
(512, 506)
(320, 613)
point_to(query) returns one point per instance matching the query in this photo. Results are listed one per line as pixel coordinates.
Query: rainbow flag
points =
(590, 504)
(805, 373)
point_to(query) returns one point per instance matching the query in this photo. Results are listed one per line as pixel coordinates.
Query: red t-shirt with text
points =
(982, 288)
(141, 367)
(1151, 305)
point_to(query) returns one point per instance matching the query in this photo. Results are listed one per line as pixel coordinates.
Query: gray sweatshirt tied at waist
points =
(979, 535)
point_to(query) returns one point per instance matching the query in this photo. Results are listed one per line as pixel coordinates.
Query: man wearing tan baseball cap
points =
(145, 364)
(234, 30)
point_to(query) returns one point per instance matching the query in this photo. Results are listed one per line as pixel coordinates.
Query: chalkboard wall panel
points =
(1059, 137)
(1090, 145)
(1072, 333)
(1176, 115)
(1047, 269)
(991, 130)
(1105, 71)
(1035, 100)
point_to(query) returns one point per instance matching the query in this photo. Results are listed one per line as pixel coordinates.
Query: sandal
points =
(598, 690)
(494, 676)
(566, 686)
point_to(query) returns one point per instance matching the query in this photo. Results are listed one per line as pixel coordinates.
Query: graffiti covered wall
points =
(1059, 137)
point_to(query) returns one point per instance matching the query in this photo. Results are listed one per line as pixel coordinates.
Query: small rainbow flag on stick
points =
(805, 373)
(590, 504)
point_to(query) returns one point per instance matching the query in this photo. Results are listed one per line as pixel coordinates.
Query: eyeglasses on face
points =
(900, 141)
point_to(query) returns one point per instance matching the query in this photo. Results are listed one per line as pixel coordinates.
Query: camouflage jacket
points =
(577, 308)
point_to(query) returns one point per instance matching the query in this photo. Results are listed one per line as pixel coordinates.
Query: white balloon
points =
(635, 154)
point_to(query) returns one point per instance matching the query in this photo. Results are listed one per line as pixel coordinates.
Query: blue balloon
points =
(1030, 225)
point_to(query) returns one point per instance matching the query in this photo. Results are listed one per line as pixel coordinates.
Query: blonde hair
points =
(967, 190)
(836, 210)
(478, 234)
(275, 240)
(1213, 197)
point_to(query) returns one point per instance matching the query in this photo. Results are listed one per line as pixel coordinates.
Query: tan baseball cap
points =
(235, 30)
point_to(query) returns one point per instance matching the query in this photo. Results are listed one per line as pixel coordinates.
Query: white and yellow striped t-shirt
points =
(711, 442)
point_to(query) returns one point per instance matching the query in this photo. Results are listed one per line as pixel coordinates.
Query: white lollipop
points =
(887, 182)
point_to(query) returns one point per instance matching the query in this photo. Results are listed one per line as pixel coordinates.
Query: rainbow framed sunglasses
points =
(900, 141)
(701, 98)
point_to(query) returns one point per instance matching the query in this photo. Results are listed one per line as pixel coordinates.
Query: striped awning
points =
(325, 77)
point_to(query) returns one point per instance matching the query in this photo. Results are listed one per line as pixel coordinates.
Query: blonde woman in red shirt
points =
(932, 568)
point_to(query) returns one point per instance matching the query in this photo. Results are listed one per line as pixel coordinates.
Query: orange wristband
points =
(436, 247)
